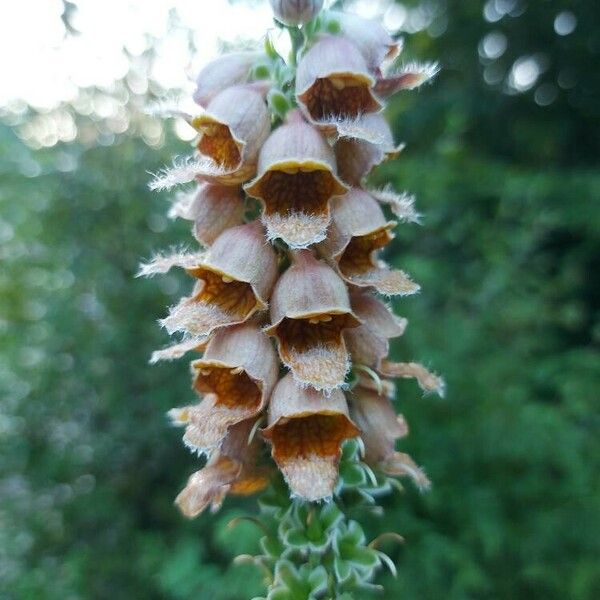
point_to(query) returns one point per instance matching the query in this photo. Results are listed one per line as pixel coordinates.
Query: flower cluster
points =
(288, 309)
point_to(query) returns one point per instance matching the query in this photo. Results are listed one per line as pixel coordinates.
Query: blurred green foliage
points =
(508, 260)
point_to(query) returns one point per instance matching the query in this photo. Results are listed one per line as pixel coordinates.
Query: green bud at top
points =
(296, 12)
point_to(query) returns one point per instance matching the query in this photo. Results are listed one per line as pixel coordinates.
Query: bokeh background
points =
(503, 154)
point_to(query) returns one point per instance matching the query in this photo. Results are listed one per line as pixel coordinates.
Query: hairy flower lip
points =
(310, 309)
(306, 429)
(295, 181)
(325, 76)
(358, 231)
(225, 71)
(357, 157)
(232, 130)
(236, 274)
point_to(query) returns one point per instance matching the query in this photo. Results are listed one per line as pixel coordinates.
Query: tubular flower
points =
(212, 208)
(369, 36)
(306, 429)
(235, 376)
(380, 427)
(369, 344)
(310, 310)
(285, 223)
(358, 231)
(231, 470)
(235, 279)
(296, 12)
(232, 130)
(357, 157)
(295, 182)
(334, 83)
(224, 72)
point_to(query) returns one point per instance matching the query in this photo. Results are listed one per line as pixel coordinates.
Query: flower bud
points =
(236, 376)
(306, 430)
(310, 310)
(357, 157)
(296, 180)
(380, 427)
(226, 71)
(236, 276)
(232, 130)
(358, 231)
(296, 12)
(213, 208)
(369, 36)
(231, 470)
(369, 344)
(333, 83)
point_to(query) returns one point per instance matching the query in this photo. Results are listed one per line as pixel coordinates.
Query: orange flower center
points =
(358, 257)
(303, 437)
(232, 387)
(340, 96)
(297, 191)
(321, 330)
(232, 297)
(217, 142)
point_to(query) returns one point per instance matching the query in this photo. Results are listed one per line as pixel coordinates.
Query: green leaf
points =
(352, 474)
(296, 538)
(341, 569)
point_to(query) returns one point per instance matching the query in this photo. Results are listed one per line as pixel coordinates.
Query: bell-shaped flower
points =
(380, 427)
(369, 344)
(310, 310)
(226, 71)
(358, 231)
(375, 44)
(213, 208)
(235, 377)
(295, 182)
(296, 12)
(232, 130)
(235, 278)
(306, 430)
(356, 157)
(334, 84)
(231, 470)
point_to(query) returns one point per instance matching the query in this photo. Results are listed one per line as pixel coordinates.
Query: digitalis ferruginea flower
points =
(232, 130)
(235, 378)
(380, 427)
(334, 83)
(212, 208)
(306, 429)
(359, 230)
(296, 179)
(235, 278)
(310, 310)
(230, 470)
(224, 72)
(288, 279)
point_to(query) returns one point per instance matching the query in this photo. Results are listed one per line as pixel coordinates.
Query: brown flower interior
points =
(217, 142)
(358, 257)
(295, 190)
(321, 330)
(306, 436)
(232, 387)
(338, 96)
(232, 297)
